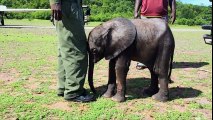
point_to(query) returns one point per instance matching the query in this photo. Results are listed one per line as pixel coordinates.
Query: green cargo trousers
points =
(72, 58)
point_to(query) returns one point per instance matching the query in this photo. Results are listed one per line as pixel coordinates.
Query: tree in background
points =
(188, 14)
(27, 4)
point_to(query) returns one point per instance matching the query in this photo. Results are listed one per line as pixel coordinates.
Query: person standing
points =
(87, 14)
(72, 47)
(2, 18)
(154, 9)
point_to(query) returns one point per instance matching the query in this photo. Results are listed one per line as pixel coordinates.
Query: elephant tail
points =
(91, 70)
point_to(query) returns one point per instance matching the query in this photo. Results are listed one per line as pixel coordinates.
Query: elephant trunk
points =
(90, 73)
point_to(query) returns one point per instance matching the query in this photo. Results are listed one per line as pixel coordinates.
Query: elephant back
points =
(122, 34)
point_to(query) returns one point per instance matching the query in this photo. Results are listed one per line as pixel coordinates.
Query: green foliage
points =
(27, 4)
(103, 10)
(188, 14)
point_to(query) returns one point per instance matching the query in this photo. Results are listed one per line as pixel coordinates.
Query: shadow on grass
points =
(183, 92)
(135, 87)
(177, 65)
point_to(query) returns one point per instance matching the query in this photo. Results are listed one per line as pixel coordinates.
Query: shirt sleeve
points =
(54, 1)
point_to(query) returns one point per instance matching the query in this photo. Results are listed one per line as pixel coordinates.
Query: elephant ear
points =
(120, 35)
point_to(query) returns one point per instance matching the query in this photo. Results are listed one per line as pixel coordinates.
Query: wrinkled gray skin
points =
(148, 41)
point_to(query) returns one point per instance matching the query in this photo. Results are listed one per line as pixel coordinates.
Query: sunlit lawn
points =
(28, 78)
(36, 22)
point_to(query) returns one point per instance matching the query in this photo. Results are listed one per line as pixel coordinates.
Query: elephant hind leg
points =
(153, 88)
(162, 67)
(163, 80)
(163, 94)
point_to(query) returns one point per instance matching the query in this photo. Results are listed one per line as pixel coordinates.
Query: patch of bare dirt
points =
(203, 101)
(189, 52)
(126, 107)
(102, 73)
(202, 74)
(39, 93)
(53, 86)
(179, 108)
(6, 77)
(52, 59)
(161, 107)
(9, 76)
(59, 105)
(188, 69)
(32, 86)
(1, 61)
(101, 77)
(206, 113)
(148, 115)
(188, 100)
(83, 107)
(10, 115)
(174, 77)
(1, 91)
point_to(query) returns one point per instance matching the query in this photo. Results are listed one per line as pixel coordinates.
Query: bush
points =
(190, 22)
(41, 15)
(45, 15)
(182, 21)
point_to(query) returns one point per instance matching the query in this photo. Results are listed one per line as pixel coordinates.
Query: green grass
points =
(28, 79)
(185, 26)
(93, 24)
(36, 22)
(33, 22)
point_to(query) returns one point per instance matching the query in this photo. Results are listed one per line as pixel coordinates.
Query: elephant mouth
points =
(97, 58)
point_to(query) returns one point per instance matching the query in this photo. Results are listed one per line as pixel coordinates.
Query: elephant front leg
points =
(122, 68)
(163, 94)
(111, 81)
(153, 88)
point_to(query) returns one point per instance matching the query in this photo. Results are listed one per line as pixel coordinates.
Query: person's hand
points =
(56, 12)
(173, 17)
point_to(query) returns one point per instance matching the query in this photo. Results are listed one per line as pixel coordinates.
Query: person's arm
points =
(138, 4)
(172, 4)
(56, 9)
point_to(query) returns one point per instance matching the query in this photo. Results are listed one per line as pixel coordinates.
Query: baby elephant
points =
(149, 41)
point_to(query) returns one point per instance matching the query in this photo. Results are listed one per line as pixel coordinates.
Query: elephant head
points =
(108, 40)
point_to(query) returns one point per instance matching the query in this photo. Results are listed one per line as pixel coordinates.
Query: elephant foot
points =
(118, 98)
(150, 91)
(108, 95)
(161, 97)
